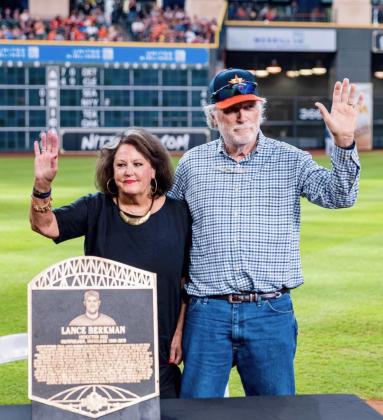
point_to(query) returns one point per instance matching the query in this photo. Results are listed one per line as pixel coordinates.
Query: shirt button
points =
(235, 214)
(238, 269)
(236, 189)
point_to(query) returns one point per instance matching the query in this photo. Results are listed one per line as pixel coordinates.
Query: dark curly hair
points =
(145, 143)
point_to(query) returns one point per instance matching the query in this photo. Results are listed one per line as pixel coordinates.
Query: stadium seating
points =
(140, 22)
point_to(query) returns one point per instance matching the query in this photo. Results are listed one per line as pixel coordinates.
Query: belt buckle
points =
(250, 297)
(234, 299)
(253, 297)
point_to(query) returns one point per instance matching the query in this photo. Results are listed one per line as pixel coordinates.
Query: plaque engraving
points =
(93, 336)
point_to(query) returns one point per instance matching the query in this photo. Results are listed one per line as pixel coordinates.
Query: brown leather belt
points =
(250, 296)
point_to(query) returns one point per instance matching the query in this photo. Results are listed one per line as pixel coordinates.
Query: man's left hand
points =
(341, 121)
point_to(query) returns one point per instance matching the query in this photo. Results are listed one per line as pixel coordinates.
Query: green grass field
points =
(339, 309)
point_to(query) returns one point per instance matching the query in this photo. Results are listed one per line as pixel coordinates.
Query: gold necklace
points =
(132, 219)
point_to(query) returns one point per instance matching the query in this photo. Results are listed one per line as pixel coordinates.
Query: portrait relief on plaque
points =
(92, 336)
(92, 316)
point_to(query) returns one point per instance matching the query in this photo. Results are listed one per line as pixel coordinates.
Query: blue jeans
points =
(259, 338)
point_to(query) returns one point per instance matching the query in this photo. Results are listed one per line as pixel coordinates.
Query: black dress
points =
(159, 245)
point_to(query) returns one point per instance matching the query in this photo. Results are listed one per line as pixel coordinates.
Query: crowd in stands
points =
(377, 14)
(295, 11)
(144, 21)
(129, 21)
(80, 25)
(169, 24)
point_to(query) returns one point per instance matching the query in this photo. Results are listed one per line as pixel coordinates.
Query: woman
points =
(130, 221)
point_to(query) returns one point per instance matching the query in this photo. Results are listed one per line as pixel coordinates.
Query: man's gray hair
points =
(210, 109)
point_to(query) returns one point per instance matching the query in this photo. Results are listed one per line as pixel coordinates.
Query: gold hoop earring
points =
(108, 189)
(155, 189)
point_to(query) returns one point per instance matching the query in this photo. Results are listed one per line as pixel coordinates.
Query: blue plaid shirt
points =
(246, 215)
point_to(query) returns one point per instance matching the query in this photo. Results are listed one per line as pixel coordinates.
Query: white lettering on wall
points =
(176, 142)
(95, 141)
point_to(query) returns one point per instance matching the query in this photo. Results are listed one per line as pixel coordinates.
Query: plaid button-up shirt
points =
(246, 215)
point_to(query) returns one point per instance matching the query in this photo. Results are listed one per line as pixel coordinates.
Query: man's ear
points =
(213, 121)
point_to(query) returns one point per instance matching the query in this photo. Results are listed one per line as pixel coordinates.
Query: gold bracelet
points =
(44, 208)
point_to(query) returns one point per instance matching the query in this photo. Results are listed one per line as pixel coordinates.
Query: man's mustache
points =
(242, 126)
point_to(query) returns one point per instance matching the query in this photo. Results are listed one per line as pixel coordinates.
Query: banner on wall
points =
(280, 39)
(363, 133)
(175, 140)
(100, 54)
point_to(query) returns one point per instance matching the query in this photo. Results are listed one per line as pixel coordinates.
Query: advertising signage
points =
(281, 39)
(94, 54)
(174, 141)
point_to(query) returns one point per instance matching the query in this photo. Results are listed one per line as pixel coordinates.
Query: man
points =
(92, 316)
(243, 191)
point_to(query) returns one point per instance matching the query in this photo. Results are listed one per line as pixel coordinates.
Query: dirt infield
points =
(377, 405)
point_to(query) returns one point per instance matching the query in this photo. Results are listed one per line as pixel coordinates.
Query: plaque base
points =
(145, 410)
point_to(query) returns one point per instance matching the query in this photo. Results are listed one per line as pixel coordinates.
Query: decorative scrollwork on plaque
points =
(80, 272)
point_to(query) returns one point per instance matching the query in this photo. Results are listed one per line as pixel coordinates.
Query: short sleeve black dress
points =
(159, 245)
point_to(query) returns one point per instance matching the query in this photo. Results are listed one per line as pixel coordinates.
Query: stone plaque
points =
(93, 345)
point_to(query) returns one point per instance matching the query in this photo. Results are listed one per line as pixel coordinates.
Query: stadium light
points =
(292, 73)
(379, 74)
(319, 69)
(261, 73)
(274, 67)
(305, 72)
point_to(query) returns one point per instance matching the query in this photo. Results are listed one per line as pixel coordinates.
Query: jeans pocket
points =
(193, 303)
(283, 305)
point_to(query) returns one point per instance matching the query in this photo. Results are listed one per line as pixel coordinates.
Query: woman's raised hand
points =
(46, 159)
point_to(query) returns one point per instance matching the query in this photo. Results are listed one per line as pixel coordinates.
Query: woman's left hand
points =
(176, 349)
